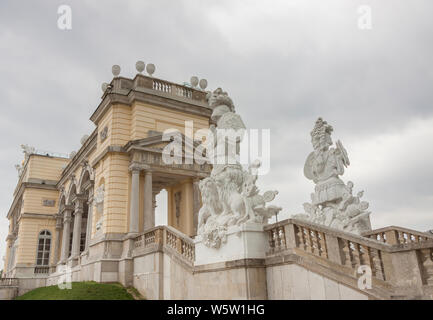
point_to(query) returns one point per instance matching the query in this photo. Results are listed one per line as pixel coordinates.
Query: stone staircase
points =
(400, 259)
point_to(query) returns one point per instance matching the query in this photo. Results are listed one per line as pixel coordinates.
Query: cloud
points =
(284, 64)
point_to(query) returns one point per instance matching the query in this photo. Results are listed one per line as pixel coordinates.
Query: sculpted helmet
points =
(321, 134)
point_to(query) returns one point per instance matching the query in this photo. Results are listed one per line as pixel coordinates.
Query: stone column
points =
(154, 205)
(134, 205)
(66, 234)
(149, 219)
(196, 203)
(89, 221)
(77, 228)
(57, 244)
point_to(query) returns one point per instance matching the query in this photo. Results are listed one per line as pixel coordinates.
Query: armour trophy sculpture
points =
(332, 203)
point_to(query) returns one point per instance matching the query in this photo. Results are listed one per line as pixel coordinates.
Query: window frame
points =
(43, 248)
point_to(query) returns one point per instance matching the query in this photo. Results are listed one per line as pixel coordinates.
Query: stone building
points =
(92, 216)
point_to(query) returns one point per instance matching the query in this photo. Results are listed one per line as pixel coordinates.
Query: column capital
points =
(80, 197)
(90, 201)
(59, 222)
(79, 207)
(66, 208)
(137, 166)
(148, 171)
(67, 216)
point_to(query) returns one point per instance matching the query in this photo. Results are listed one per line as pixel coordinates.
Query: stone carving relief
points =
(230, 196)
(332, 203)
(103, 134)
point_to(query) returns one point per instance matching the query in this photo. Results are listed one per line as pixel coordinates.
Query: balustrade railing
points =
(311, 241)
(357, 254)
(163, 86)
(352, 251)
(397, 235)
(42, 270)
(8, 282)
(277, 239)
(124, 85)
(169, 238)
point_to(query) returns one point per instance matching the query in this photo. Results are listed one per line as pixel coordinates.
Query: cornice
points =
(152, 97)
(76, 161)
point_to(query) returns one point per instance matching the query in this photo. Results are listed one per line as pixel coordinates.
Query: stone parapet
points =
(402, 270)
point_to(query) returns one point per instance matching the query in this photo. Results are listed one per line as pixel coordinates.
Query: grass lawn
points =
(80, 291)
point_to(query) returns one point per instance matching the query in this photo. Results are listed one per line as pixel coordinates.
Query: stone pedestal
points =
(247, 241)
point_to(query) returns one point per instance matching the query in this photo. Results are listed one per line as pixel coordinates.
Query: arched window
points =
(44, 246)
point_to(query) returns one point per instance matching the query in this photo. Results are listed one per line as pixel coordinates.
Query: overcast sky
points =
(284, 63)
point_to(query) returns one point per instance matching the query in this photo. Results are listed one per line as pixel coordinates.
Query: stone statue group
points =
(332, 203)
(230, 196)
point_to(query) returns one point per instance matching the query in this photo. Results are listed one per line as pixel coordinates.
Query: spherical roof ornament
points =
(150, 68)
(115, 70)
(104, 86)
(139, 65)
(203, 84)
(194, 81)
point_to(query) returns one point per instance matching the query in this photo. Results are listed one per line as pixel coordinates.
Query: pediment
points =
(156, 143)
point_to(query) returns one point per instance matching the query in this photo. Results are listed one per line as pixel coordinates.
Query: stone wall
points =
(293, 282)
(8, 293)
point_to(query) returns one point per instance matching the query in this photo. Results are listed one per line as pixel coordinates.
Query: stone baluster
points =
(308, 241)
(301, 238)
(282, 235)
(346, 252)
(356, 254)
(364, 255)
(276, 240)
(377, 267)
(322, 244)
(271, 241)
(314, 242)
(400, 237)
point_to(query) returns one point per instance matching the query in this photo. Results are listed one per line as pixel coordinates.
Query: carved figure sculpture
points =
(332, 202)
(230, 195)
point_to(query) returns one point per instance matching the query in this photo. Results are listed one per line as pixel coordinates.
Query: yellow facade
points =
(184, 221)
(28, 239)
(50, 184)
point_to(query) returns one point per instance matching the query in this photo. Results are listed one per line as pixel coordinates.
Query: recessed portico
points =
(149, 175)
